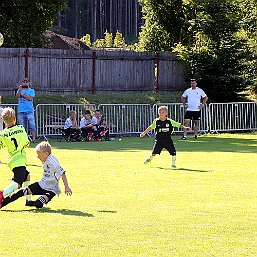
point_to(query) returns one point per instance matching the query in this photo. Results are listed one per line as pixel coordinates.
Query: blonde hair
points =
(8, 115)
(44, 147)
(163, 107)
(73, 112)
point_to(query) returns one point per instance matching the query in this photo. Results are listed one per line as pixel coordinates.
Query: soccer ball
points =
(1, 39)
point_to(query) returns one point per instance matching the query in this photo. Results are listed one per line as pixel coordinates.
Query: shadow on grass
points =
(58, 211)
(214, 143)
(105, 211)
(183, 169)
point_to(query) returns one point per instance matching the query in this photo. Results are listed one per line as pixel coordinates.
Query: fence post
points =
(94, 73)
(26, 63)
(157, 64)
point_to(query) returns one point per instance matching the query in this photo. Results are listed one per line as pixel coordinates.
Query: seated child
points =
(71, 128)
(88, 126)
(102, 129)
(48, 186)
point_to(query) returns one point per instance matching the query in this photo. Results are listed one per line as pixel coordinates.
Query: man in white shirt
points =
(193, 99)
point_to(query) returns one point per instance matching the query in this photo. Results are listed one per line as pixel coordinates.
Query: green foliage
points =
(119, 40)
(108, 39)
(23, 23)
(206, 34)
(99, 43)
(102, 98)
(86, 40)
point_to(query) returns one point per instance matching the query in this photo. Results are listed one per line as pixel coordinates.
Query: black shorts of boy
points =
(192, 115)
(36, 189)
(168, 145)
(20, 174)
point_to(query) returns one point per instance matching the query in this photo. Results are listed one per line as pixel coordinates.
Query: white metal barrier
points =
(135, 118)
(176, 111)
(51, 117)
(241, 116)
(126, 118)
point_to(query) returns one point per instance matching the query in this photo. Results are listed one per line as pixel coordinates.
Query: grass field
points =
(121, 207)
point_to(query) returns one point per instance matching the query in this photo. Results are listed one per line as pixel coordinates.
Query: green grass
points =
(121, 207)
(103, 98)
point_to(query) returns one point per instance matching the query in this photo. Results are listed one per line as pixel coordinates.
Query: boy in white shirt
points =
(71, 128)
(193, 99)
(88, 126)
(48, 186)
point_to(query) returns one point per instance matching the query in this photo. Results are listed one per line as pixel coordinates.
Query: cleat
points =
(98, 139)
(90, 138)
(184, 138)
(102, 133)
(29, 203)
(148, 160)
(173, 167)
(195, 136)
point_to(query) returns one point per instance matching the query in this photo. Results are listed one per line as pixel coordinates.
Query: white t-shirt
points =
(68, 123)
(85, 122)
(194, 97)
(52, 173)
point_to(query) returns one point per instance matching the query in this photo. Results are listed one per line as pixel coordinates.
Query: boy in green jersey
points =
(15, 139)
(163, 129)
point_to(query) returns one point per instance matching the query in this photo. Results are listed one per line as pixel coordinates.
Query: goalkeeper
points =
(15, 139)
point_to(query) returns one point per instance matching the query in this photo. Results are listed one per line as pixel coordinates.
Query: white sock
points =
(173, 160)
(25, 185)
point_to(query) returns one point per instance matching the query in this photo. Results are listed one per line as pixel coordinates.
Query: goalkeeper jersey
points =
(164, 129)
(15, 139)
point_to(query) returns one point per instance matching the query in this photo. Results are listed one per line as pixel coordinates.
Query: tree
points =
(206, 34)
(24, 23)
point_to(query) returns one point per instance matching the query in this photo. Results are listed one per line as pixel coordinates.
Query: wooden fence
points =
(54, 70)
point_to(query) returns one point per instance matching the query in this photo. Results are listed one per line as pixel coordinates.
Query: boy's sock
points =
(25, 185)
(173, 161)
(11, 188)
(12, 197)
(147, 160)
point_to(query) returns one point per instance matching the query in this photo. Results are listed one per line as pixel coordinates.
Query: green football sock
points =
(11, 188)
(173, 160)
(24, 185)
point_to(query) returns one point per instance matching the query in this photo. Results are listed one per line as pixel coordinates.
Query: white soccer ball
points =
(1, 39)
(120, 139)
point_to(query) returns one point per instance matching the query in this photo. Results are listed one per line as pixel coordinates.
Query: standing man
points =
(193, 99)
(25, 94)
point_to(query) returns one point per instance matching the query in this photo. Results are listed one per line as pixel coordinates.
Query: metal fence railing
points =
(241, 116)
(127, 118)
(176, 112)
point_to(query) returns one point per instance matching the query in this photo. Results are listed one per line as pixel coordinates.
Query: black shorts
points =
(36, 189)
(20, 174)
(169, 146)
(193, 115)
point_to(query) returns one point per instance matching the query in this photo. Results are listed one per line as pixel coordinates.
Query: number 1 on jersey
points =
(15, 142)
